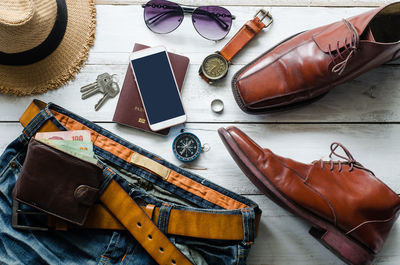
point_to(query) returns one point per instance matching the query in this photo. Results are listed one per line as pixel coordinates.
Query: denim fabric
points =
(85, 246)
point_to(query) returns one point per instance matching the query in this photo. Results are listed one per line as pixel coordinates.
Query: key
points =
(111, 90)
(93, 91)
(104, 78)
(96, 87)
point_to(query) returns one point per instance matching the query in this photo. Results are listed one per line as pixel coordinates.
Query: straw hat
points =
(43, 43)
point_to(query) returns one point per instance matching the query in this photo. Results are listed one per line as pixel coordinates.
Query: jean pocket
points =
(8, 178)
(114, 251)
(203, 251)
(9, 166)
(124, 250)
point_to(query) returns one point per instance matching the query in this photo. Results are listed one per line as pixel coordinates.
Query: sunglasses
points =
(211, 22)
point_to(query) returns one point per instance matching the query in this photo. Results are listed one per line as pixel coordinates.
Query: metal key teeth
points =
(90, 93)
(111, 90)
(101, 102)
(88, 87)
(97, 86)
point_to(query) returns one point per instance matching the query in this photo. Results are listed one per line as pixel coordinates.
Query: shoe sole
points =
(336, 241)
(265, 110)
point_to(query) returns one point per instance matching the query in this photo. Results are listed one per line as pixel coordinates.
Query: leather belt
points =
(181, 223)
(133, 218)
(119, 211)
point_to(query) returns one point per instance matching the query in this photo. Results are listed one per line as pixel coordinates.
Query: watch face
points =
(214, 66)
(186, 147)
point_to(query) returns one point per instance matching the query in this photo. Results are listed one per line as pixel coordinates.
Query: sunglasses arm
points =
(190, 10)
(214, 17)
(160, 15)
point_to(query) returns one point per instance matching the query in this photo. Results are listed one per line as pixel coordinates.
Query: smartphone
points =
(157, 88)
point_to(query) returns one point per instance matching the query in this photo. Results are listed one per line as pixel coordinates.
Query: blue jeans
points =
(96, 246)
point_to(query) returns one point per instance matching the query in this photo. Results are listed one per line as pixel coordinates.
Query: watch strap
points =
(203, 76)
(244, 35)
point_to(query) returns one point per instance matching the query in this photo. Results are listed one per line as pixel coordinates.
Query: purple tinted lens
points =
(212, 22)
(162, 16)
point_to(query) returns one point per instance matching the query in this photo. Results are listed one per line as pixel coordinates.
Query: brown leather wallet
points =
(58, 183)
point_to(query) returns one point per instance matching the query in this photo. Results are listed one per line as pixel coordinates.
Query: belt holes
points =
(173, 261)
(161, 250)
(139, 224)
(149, 237)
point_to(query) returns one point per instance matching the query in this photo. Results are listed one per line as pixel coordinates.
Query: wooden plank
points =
(374, 97)
(370, 98)
(258, 2)
(185, 39)
(282, 238)
(375, 146)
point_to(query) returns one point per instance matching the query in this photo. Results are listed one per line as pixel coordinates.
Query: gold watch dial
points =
(214, 66)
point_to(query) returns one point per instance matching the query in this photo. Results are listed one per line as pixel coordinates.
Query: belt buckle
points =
(17, 212)
(262, 14)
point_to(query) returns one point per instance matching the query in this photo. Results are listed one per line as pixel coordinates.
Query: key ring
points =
(114, 78)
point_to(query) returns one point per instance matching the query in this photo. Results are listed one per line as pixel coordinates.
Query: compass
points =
(186, 147)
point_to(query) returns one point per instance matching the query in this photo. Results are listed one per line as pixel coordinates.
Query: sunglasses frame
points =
(187, 9)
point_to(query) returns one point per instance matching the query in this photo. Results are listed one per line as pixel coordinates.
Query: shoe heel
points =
(342, 246)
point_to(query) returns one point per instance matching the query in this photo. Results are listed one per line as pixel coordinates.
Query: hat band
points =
(48, 46)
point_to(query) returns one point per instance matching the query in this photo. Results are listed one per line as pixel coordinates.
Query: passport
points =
(130, 110)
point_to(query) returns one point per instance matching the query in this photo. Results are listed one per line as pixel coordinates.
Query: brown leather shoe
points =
(309, 64)
(351, 211)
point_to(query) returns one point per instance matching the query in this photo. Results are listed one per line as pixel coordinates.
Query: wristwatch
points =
(215, 66)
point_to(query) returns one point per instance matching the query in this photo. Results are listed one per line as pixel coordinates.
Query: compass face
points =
(186, 147)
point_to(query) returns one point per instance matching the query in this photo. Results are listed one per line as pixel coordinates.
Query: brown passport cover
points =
(129, 110)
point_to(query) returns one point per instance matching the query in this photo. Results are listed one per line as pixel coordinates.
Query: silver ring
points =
(217, 105)
(205, 147)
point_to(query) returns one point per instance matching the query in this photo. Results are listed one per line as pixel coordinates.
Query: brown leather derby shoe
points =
(309, 64)
(351, 211)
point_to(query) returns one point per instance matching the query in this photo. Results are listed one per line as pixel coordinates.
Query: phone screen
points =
(157, 87)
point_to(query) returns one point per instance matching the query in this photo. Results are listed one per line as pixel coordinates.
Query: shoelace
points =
(352, 46)
(348, 160)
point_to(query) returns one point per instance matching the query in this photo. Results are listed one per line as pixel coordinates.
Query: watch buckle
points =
(262, 14)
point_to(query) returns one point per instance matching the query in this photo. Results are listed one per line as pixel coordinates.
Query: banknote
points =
(78, 135)
(77, 143)
(86, 147)
(80, 149)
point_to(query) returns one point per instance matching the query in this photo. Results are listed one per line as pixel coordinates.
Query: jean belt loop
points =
(108, 175)
(163, 217)
(248, 219)
(35, 124)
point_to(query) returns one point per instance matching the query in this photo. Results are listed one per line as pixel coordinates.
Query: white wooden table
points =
(363, 114)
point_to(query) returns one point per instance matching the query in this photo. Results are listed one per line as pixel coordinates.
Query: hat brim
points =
(63, 64)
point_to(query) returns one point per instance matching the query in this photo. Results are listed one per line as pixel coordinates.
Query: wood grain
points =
(282, 238)
(363, 114)
(341, 3)
(375, 146)
(373, 97)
